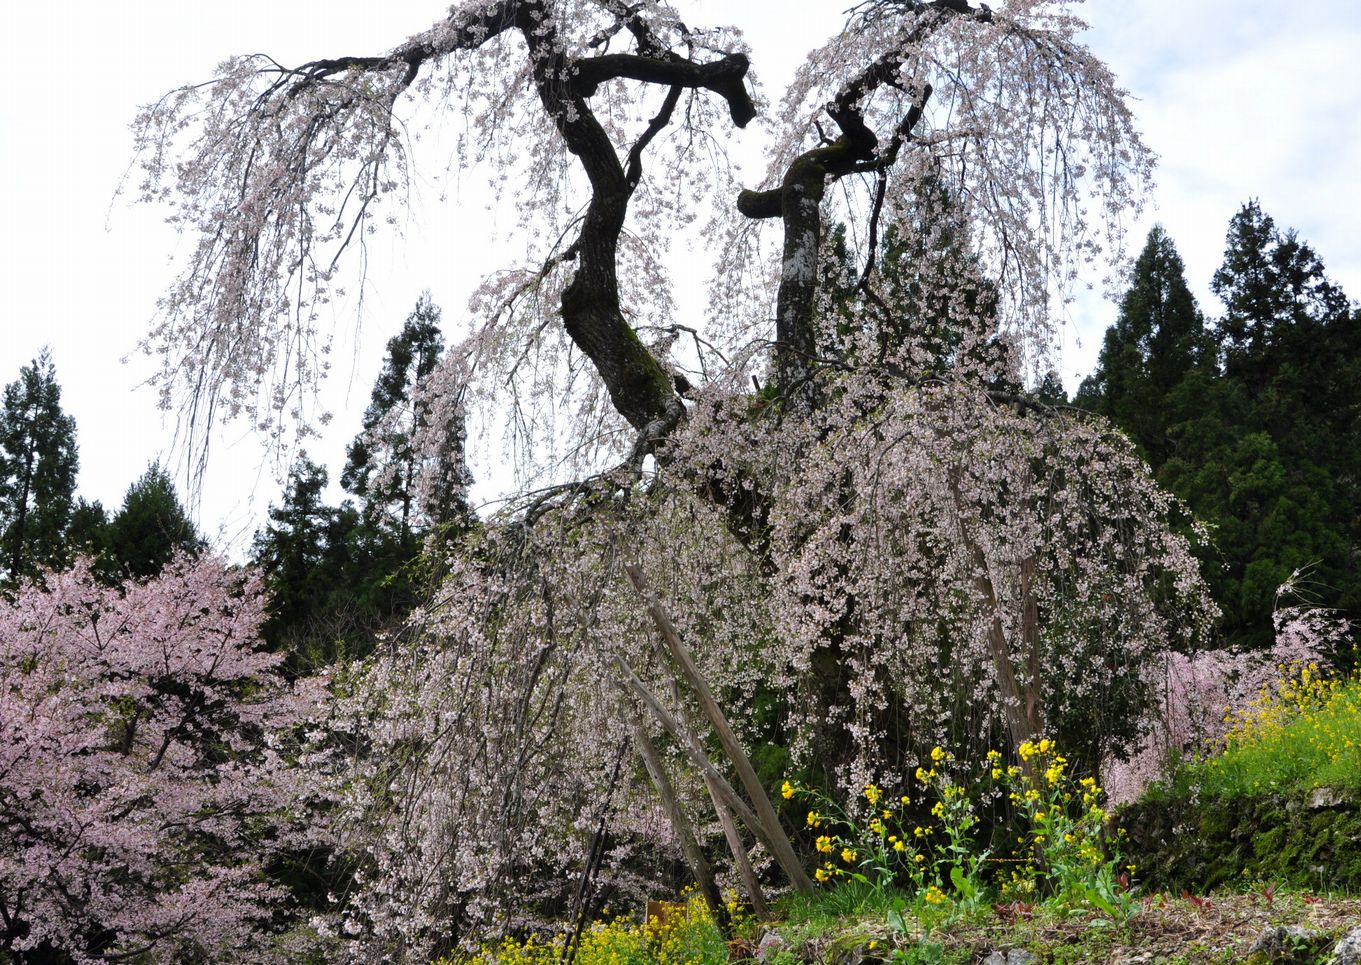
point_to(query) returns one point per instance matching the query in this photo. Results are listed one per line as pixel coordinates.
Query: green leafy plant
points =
(928, 843)
(1073, 861)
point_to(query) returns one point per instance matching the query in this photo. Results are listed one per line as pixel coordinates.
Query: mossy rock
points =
(1204, 843)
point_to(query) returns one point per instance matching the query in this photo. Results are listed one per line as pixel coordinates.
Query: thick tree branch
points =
(798, 199)
(725, 77)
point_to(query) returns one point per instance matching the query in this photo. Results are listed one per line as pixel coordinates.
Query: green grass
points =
(1305, 735)
(828, 907)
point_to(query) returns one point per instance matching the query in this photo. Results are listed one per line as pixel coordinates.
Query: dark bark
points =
(641, 390)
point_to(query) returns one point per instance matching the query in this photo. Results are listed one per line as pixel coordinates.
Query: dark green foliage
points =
(38, 463)
(150, 528)
(930, 308)
(1259, 435)
(1051, 391)
(1157, 342)
(338, 576)
(88, 532)
(1186, 841)
(1278, 303)
(385, 461)
(333, 582)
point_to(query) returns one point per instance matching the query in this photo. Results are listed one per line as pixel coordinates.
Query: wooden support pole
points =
(769, 823)
(739, 853)
(694, 856)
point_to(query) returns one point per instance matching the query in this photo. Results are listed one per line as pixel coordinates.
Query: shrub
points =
(929, 842)
(687, 935)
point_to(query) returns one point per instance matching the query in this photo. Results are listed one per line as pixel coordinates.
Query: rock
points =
(1348, 950)
(1011, 956)
(1324, 797)
(1285, 943)
(771, 942)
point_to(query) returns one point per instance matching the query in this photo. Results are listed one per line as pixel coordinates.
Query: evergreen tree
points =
(1290, 488)
(930, 307)
(88, 533)
(1263, 450)
(38, 463)
(151, 527)
(1050, 391)
(338, 575)
(387, 458)
(1157, 341)
(1278, 302)
(324, 589)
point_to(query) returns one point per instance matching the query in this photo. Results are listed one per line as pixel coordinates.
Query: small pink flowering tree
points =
(142, 787)
(1198, 694)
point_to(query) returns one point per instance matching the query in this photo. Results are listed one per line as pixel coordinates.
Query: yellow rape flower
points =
(824, 844)
(847, 855)
(873, 793)
(814, 819)
(787, 790)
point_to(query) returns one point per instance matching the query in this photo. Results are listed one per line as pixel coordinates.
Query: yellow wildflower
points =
(824, 844)
(873, 794)
(847, 855)
(787, 790)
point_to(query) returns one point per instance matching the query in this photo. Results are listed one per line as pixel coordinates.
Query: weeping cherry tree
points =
(835, 479)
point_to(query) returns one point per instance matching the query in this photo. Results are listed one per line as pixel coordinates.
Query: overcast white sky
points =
(1240, 98)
